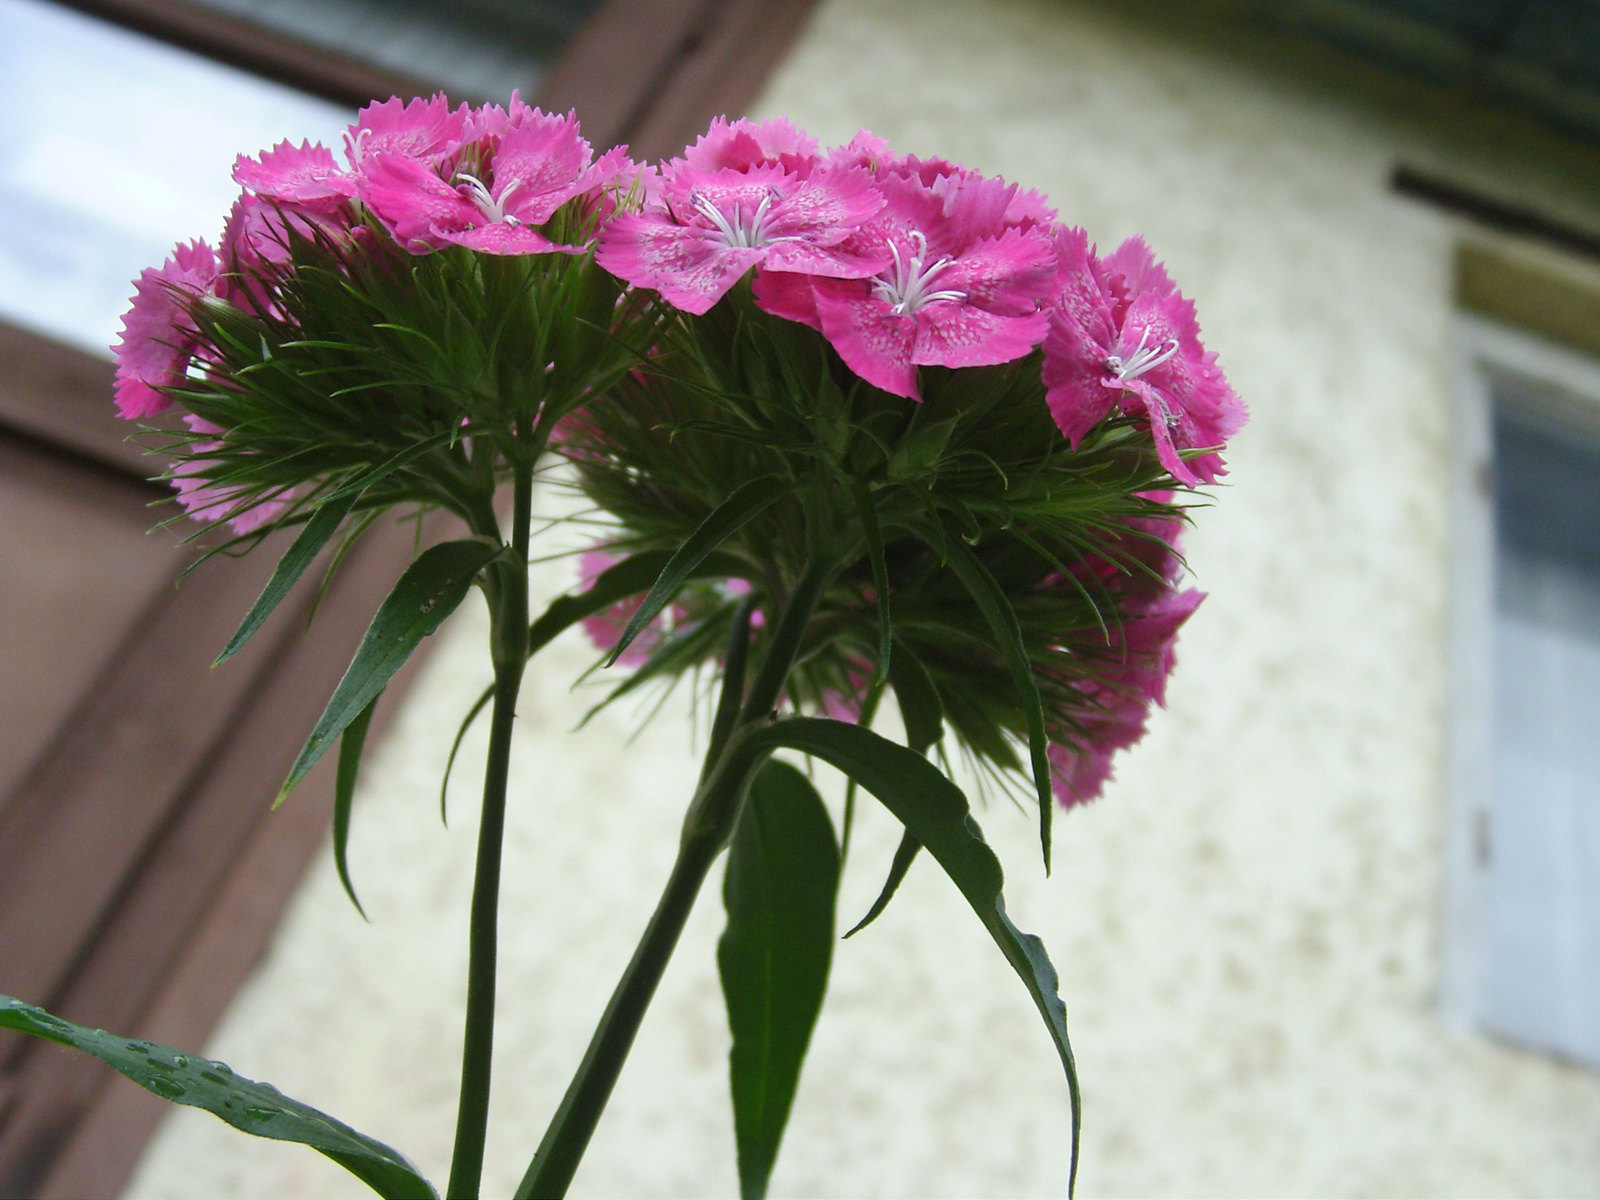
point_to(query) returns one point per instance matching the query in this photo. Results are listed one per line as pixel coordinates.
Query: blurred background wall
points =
(1254, 925)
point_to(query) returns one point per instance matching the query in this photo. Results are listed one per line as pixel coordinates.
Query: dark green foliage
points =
(1069, 538)
(350, 353)
(783, 873)
(344, 792)
(934, 812)
(254, 1108)
(429, 591)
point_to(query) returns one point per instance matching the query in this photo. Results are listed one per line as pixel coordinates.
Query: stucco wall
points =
(1246, 926)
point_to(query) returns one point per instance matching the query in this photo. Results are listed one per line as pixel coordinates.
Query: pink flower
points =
(511, 177)
(959, 290)
(422, 129)
(741, 145)
(1111, 710)
(706, 229)
(256, 243)
(1123, 338)
(303, 174)
(207, 502)
(999, 205)
(157, 333)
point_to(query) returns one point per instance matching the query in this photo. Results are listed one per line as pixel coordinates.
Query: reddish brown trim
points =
(257, 49)
(60, 395)
(655, 81)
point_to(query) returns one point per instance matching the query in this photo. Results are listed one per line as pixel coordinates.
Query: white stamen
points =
(909, 287)
(493, 210)
(736, 232)
(1144, 357)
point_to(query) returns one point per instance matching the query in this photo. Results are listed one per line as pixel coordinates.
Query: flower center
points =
(1144, 357)
(494, 211)
(739, 232)
(908, 285)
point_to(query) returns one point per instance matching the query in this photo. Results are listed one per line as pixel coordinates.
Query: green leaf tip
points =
(726, 519)
(432, 587)
(780, 889)
(935, 811)
(258, 1109)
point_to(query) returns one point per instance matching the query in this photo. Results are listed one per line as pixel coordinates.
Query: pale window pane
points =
(1543, 984)
(112, 148)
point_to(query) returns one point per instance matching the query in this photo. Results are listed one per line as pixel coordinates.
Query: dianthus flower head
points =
(705, 229)
(508, 176)
(209, 502)
(1123, 338)
(959, 288)
(158, 335)
(1108, 712)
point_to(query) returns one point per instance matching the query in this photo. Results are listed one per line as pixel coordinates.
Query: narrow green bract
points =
(429, 591)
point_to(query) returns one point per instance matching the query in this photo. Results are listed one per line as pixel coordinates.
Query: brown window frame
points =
(141, 871)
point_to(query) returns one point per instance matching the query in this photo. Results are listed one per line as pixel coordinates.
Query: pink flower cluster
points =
(903, 262)
(427, 175)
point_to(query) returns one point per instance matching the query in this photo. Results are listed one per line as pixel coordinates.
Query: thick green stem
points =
(508, 599)
(707, 828)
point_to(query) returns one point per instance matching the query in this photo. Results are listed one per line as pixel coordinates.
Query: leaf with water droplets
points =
(254, 1108)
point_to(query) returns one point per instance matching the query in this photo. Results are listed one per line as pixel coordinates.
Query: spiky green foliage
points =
(1071, 537)
(344, 361)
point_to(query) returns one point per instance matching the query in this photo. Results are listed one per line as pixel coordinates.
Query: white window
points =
(1522, 932)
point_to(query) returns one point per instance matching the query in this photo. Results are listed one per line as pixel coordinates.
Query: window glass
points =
(112, 148)
(1542, 985)
(474, 48)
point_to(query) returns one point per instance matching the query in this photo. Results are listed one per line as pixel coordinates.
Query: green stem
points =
(508, 599)
(707, 827)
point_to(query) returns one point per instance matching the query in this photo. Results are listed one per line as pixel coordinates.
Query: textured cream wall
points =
(1246, 925)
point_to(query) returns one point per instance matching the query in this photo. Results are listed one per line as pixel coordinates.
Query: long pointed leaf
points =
(314, 535)
(880, 576)
(478, 705)
(935, 811)
(728, 516)
(255, 1108)
(626, 579)
(991, 601)
(344, 791)
(904, 855)
(783, 875)
(321, 526)
(923, 714)
(429, 591)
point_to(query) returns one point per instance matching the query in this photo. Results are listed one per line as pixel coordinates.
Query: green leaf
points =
(478, 705)
(732, 513)
(923, 715)
(255, 1108)
(935, 811)
(314, 535)
(868, 513)
(625, 579)
(991, 601)
(321, 526)
(918, 697)
(344, 790)
(783, 874)
(904, 855)
(429, 591)
(920, 449)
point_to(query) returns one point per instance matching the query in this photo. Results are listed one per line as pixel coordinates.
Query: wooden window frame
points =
(141, 873)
